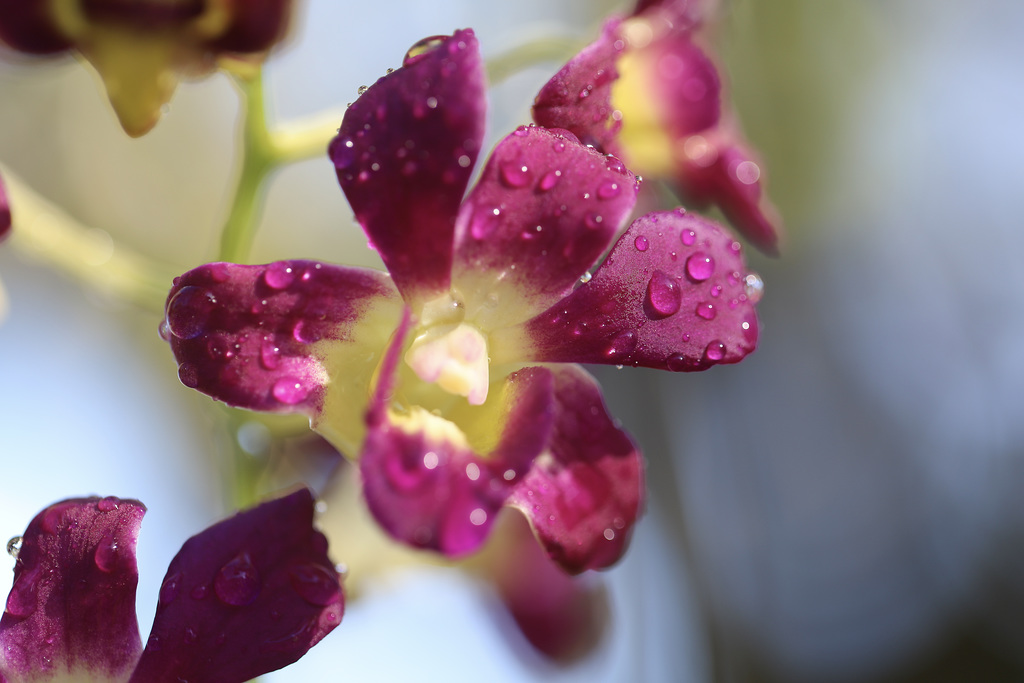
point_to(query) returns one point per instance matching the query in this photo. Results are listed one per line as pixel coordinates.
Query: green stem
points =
(532, 53)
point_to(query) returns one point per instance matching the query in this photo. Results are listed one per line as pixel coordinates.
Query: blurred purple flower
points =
(646, 92)
(142, 47)
(248, 595)
(452, 376)
(5, 212)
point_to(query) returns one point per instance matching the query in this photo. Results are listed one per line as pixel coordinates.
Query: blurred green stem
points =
(531, 53)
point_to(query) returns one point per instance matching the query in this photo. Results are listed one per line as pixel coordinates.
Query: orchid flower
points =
(142, 47)
(248, 595)
(451, 378)
(646, 92)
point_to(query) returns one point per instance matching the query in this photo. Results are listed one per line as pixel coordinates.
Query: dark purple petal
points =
(717, 170)
(145, 15)
(249, 595)
(72, 606)
(562, 616)
(423, 481)
(679, 14)
(674, 294)
(578, 97)
(28, 26)
(543, 212)
(256, 336)
(404, 155)
(584, 493)
(255, 25)
(5, 212)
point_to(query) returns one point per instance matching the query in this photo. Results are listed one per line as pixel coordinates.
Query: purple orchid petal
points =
(248, 595)
(404, 155)
(683, 82)
(579, 97)
(544, 210)
(717, 170)
(5, 212)
(423, 481)
(142, 15)
(584, 494)
(255, 25)
(256, 336)
(28, 26)
(674, 294)
(52, 627)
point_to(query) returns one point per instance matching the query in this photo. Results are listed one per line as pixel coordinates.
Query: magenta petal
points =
(52, 625)
(247, 335)
(404, 155)
(255, 25)
(674, 294)
(428, 488)
(723, 173)
(5, 212)
(685, 83)
(27, 26)
(248, 595)
(578, 98)
(583, 496)
(543, 212)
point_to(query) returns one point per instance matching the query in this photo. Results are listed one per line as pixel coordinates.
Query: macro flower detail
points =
(248, 595)
(646, 92)
(141, 48)
(5, 212)
(452, 379)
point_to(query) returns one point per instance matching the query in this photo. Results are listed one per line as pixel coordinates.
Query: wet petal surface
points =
(258, 337)
(249, 595)
(674, 294)
(583, 495)
(52, 626)
(543, 212)
(404, 155)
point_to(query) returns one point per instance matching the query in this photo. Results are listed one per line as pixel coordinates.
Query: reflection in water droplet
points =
(14, 546)
(753, 285)
(700, 266)
(421, 49)
(237, 583)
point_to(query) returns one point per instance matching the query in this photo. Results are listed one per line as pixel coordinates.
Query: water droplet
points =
(21, 601)
(521, 132)
(279, 275)
(200, 592)
(422, 48)
(688, 237)
(586, 277)
(615, 165)
(107, 504)
(515, 173)
(593, 220)
(164, 330)
(706, 310)
(585, 92)
(641, 243)
(753, 285)
(305, 332)
(14, 546)
(558, 146)
(190, 635)
(315, 584)
(714, 351)
(362, 89)
(608, 189)
(700, 266)
(189, 311)
(549, 180)
(622, 345)
(343, 153)
(218, 272)
(188, 375)
(237, 583)
(170, 588)
(664, 296)
(289, 390)
(106, 554)
(270, 355)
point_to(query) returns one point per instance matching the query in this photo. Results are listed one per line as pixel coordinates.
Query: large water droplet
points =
(21, 601)
(641, 243)
(549, 180)
(609, 189)
(422, 48)
(237, 583)
(664, 296)
(188, 375)
(753, 286)
(107, 504)
(677, 362)
(289, 390)
(106, 554)
(279, 275)
(14, 546)
(189, 311)
(315, 584)
(714, 351)
(688, 237)
(515, 173)
(305, 332)
(706, 310)
(700, 266)
(622, 344)
(170, 588)
(270, 354)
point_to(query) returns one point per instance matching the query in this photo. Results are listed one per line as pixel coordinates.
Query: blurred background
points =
(844, 505)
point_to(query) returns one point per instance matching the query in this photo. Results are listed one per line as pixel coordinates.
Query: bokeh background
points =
(845, 505)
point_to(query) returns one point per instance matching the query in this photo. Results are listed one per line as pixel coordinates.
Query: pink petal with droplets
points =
(249, 595)
(51, 625)
(254, 336)
(726, 174)
(584, 493)
(404, 155)
(672, 295)
(578, 97)
(544, 210)
(427, 487)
